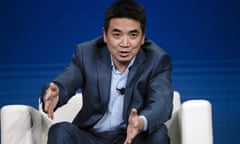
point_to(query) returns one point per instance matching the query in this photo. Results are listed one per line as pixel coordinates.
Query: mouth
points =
(124, 53)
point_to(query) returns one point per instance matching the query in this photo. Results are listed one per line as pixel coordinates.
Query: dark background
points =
(37, 39)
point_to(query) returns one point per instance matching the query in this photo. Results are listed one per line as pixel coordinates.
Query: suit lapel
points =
(134, 72)
(104, 75)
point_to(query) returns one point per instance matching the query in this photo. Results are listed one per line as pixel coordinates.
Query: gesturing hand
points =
(51, 99)
(135, 124)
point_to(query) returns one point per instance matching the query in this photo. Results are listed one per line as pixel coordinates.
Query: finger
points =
(132, 126)
(130, 135)
(127, 141)
(46, 107)
(50, 111)
(49, 95)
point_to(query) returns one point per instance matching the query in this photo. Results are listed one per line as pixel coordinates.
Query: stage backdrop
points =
(37, 39)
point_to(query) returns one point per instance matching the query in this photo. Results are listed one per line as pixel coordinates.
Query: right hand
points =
(51, 99)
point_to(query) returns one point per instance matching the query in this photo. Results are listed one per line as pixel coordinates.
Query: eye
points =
(116, 35)
(133, 35)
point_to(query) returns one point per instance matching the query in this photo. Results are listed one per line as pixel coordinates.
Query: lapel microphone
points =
(121, 91)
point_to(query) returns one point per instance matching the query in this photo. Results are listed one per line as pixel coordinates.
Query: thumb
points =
(52, 87)
(132, 116)
(133, 112)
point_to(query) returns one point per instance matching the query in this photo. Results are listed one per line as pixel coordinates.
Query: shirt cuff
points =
(145, 122)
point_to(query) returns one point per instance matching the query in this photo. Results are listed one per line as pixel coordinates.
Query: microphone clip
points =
(121, 91)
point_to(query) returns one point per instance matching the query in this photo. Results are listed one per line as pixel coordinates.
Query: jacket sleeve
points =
(69, 80)
(159, 94)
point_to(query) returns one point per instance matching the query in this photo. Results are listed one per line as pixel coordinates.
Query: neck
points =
(121, 66)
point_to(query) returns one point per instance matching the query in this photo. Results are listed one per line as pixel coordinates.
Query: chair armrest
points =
(173, 123)
(21, 125)
(196, 122)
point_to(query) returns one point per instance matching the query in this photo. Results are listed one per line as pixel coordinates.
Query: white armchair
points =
(191, 122)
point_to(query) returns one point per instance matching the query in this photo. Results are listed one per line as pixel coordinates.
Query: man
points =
(125, 81)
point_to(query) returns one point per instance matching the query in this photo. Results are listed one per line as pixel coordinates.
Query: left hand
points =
(135, 124)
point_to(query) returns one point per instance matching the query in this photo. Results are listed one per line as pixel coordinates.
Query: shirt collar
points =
(129, 65)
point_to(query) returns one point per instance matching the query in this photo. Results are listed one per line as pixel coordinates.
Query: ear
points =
(104, 35)
(143, 39)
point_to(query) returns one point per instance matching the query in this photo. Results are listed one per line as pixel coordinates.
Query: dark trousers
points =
(68, 133)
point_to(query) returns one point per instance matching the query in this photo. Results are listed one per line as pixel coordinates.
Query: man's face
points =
(124, 38)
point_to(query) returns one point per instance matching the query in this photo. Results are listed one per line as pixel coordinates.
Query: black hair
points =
(125, 9)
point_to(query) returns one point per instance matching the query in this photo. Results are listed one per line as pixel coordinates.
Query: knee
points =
(59, 132)
(58, 128)
(159, 136)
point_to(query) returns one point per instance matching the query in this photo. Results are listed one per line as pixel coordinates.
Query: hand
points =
(135, 124)
(51, 99)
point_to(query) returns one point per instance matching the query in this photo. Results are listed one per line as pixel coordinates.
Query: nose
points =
(124, 42)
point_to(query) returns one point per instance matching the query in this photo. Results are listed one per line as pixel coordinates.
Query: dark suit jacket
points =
(148, 87)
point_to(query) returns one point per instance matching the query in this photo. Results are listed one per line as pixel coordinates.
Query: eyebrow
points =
(116, 30)
(132, 31)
